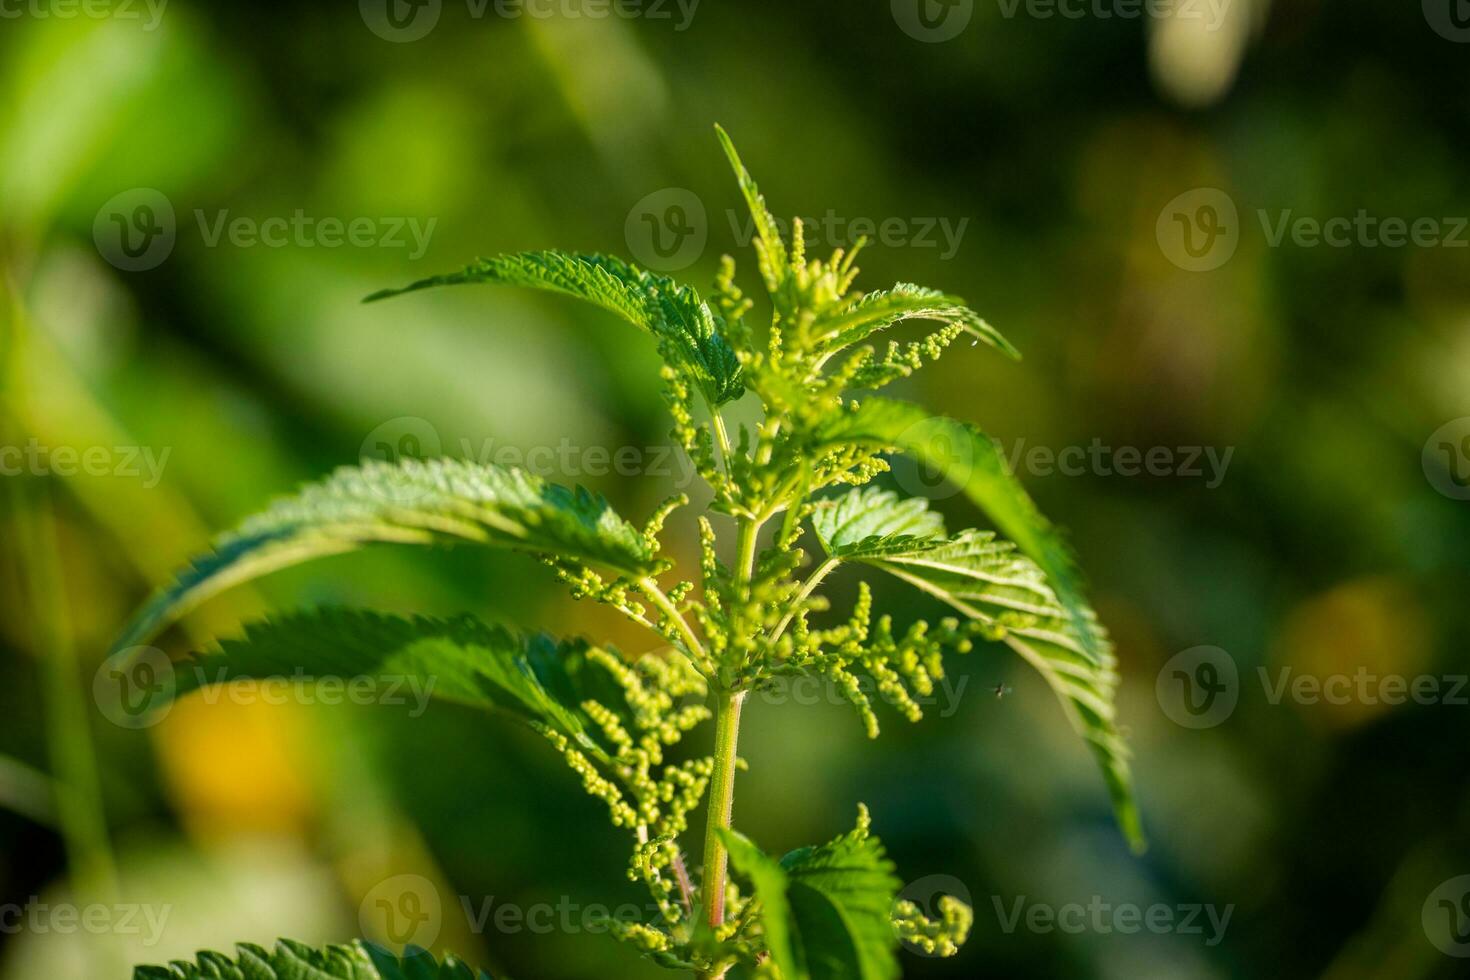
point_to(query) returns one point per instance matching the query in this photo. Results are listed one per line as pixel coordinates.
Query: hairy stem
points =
(721, 805)
(664, 603)
(806, 590)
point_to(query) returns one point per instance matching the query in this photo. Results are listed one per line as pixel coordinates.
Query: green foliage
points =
(293, 961)
(688, 332)
(745, 618)
(412, 502)
(829, 912)
(989, 582)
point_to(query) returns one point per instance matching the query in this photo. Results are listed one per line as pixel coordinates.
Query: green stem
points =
(745, 562)
(806, 590)
(721, 805)
(660, 598)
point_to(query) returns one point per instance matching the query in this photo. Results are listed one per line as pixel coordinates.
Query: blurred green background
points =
(1086, 169)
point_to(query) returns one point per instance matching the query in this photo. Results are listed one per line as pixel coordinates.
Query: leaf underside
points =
(294, 961)
(986, 579)
(689, 333)
(411, 502)
(971, 459)
(462, 660)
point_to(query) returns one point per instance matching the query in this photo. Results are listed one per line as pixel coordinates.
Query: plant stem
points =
(721, 805)
(722, 782)
(661, 599)
(745, 563)
(806, 590)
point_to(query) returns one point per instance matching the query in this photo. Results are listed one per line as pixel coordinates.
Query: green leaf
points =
(462, 660)
(411, 502)
(769, 246)
(879, 310)
(870, 519)
(987, 580)
(293, 961)
(972, 460)
(826, 911)
(688, 332)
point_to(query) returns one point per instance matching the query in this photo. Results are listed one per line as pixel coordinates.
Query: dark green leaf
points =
(971, 459)
(688, 332)
(987, 580)
(412, 503)
(293, 961)
(826, 911)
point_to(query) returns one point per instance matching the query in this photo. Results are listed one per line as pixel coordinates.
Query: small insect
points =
(1001, 690)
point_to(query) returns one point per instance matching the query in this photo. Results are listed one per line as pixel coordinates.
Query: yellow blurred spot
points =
(1352, 654)
(236, 768)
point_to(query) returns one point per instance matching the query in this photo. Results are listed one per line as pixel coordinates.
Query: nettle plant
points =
(734, 626)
